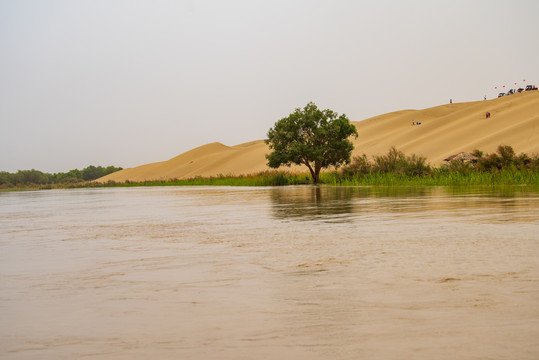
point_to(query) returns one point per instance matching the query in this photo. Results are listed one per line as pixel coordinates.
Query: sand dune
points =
(444, 130)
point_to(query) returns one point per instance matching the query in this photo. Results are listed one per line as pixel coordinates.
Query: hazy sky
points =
(125, 82)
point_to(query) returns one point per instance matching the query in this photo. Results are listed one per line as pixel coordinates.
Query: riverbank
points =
(436, 178)
(501, 168)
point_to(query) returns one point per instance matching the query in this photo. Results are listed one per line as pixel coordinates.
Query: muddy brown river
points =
(270, 273)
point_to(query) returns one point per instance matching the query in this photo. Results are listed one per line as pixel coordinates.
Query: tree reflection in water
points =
(334, 204)
(344, 204)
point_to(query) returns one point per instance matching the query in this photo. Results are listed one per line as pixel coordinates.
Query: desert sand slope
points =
(444, 130)
(452, 128)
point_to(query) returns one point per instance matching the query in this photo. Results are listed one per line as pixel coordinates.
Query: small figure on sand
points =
(413, 122)
(487, 115)
(451, 101)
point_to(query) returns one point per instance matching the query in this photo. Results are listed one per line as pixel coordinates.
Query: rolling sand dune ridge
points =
(444, 130)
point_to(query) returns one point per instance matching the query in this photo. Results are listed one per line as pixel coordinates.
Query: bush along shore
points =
(504, 167)
(35, 179)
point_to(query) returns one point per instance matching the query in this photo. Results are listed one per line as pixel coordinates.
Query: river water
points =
(266, 273)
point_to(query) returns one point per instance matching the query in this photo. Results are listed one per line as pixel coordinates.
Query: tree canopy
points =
(312, 137)
(36, 177)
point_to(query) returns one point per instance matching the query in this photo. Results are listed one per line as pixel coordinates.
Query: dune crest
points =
(444, 130)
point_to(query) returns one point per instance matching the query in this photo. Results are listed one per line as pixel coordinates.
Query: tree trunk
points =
(316, 177)
(315, 173)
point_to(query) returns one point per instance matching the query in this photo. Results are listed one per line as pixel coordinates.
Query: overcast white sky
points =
(125, 82)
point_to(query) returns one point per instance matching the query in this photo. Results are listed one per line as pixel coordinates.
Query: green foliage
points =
(439, 178)
(501, 168)
(393, 169)
(72, 176)
(24, 177)
(312, 137)
(29, 178)
(505, 157)
(93, 172)
(265, 178)
(394, 162)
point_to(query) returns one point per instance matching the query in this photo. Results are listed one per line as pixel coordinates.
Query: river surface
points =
(269, 273)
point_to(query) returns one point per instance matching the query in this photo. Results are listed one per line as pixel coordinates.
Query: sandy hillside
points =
(444, 130)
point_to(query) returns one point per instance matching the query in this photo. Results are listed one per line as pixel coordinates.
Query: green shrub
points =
(504, 158)
(394, 162)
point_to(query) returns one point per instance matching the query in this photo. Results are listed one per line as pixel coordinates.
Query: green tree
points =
(92, 172)
(111, 169)
(312, 137)
(72, 176)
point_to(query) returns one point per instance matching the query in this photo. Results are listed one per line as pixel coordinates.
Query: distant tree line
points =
(36, 177)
